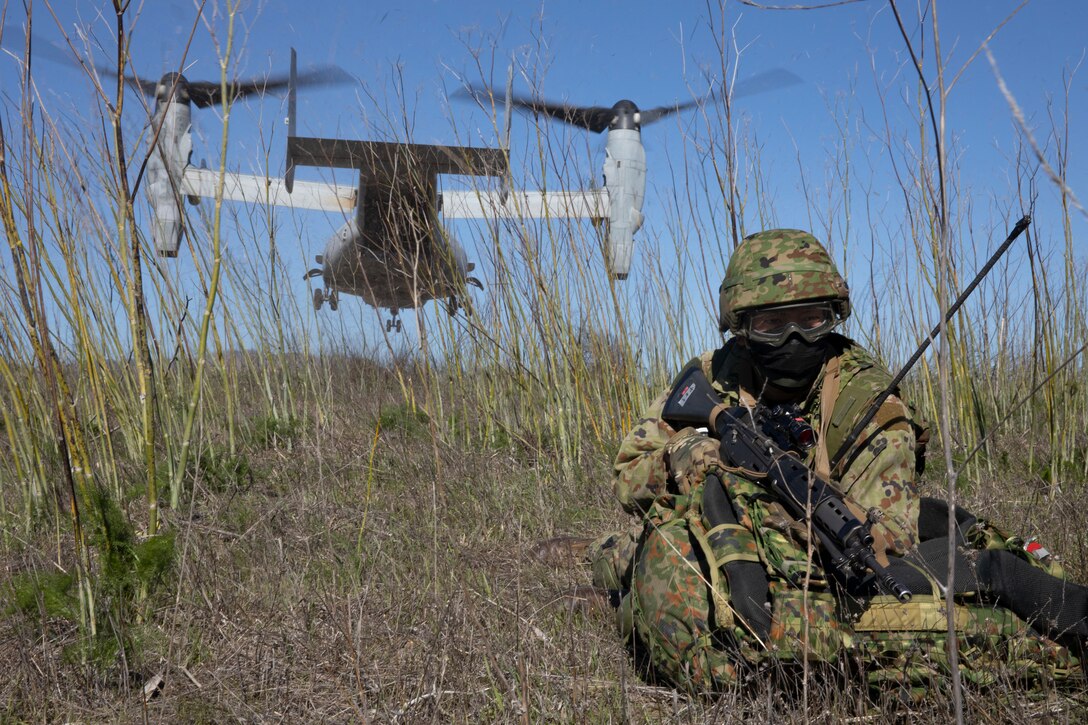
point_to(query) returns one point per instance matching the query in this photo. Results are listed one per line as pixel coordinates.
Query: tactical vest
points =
(860, 380)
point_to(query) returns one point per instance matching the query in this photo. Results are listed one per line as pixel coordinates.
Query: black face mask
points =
(793, 365)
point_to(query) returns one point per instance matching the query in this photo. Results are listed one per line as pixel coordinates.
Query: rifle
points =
(846, 542)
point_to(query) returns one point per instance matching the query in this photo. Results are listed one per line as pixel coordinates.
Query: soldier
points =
(720, 579)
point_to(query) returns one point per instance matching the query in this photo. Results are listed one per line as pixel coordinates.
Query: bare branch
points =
(938, 136)
(984, 43)
(750, 3)
(1018, 116)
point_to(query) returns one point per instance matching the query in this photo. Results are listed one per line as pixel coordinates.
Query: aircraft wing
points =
(592, 205)
(384, 164)
(269, 190)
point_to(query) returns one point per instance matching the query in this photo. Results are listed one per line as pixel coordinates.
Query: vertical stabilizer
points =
(292, 94)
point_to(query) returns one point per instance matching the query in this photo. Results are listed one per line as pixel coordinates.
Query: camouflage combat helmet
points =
(779, 267)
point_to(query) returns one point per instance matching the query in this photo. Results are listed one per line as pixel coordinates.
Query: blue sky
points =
(597, 52)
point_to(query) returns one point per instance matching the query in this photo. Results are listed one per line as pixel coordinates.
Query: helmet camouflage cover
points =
(779, 267)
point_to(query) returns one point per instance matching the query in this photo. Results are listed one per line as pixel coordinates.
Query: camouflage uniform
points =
(676, 603)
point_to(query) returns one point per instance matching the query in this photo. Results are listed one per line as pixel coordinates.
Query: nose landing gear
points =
(322, 296)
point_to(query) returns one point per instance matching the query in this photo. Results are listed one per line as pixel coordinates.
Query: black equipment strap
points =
(748, 588)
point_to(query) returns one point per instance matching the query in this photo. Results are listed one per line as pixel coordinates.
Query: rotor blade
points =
(770, 80)
(599, 118)
(592, 118)
(64, 56)
(139, 84)
(135, 83)
(210, 93)
(656, 114)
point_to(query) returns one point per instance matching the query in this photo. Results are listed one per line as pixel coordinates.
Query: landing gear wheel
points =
(319, 299)
(334, 300)
(388, 325)
(398, 325)
(452, 305)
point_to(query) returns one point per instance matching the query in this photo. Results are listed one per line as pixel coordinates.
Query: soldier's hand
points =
(690, 455)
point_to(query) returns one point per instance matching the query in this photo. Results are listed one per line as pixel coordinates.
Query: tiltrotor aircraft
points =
(393, 250)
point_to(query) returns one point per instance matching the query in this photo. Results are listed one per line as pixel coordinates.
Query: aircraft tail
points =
(292, 94)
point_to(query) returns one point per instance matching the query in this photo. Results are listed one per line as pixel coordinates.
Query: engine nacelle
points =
(625, 179)
(165, 167)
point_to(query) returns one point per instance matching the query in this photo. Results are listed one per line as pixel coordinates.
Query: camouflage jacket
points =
(653, 469)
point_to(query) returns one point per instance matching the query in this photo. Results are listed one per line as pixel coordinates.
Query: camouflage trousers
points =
(676, 610)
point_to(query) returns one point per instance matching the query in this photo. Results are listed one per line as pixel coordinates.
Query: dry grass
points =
(284, 607)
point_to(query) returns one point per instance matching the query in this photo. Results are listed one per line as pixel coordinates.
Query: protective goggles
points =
(773, 325)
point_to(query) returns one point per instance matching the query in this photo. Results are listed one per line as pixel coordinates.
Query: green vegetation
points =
(413, 423)
(349, 536)
(219, 470)
(272, 432)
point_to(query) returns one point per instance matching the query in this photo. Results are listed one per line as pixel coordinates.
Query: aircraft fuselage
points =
(393, 271)
(394, 253)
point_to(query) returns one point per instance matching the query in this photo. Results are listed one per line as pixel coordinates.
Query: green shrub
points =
(49, 593)
(221, 471)
(409, 420)
(272, 432)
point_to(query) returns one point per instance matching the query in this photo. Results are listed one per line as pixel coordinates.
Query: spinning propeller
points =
(625, 158)
(625, 114)
(204, 94)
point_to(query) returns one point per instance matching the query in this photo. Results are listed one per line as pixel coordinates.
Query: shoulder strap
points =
(829, 393)
(860, 380)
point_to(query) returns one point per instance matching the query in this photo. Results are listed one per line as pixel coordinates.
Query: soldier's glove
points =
(690, 456)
